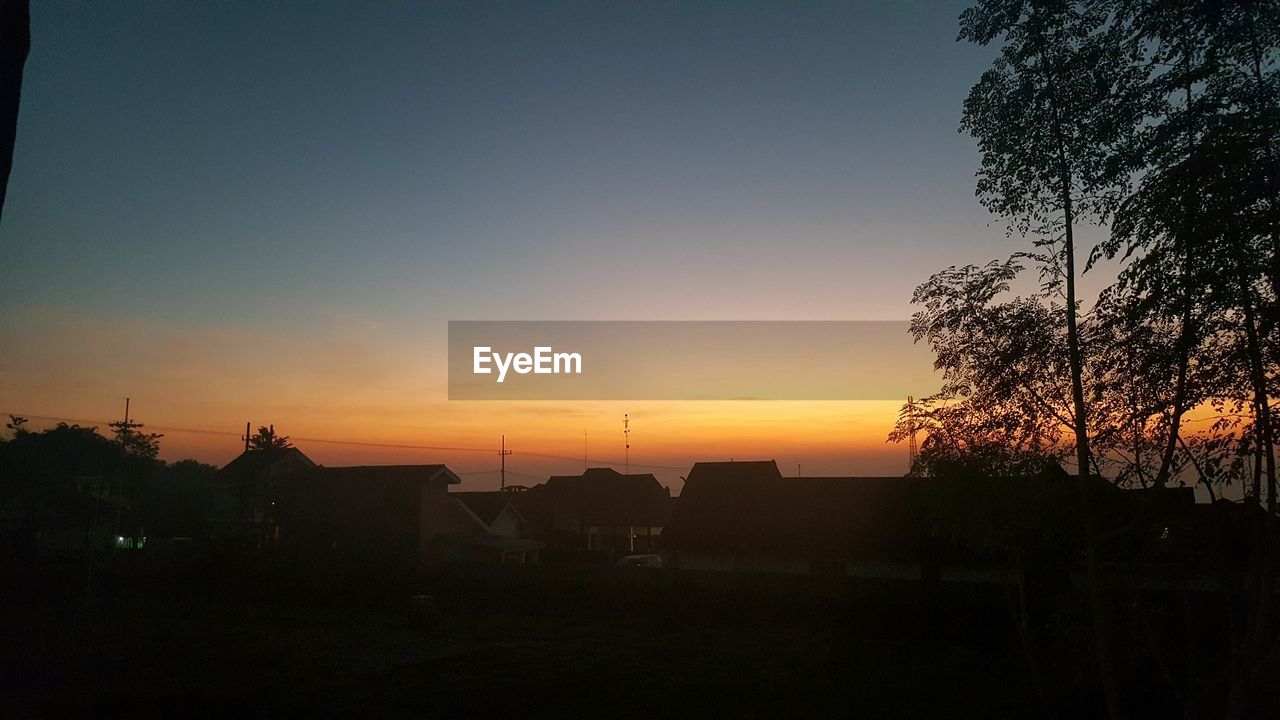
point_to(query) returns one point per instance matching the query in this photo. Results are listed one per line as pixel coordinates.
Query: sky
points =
(270, 211)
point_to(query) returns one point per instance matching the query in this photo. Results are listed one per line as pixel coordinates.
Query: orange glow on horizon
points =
(356, 383)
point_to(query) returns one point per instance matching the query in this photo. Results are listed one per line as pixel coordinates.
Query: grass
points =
(160, 654)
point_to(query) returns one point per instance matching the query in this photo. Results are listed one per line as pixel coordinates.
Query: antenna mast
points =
(626, 437)
(503, 452)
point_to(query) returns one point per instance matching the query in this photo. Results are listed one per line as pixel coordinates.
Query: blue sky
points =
(256, 162)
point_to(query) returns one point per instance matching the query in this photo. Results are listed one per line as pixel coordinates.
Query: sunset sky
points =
(270, 212)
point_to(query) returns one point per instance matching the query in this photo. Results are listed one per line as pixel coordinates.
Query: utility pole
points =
(246, 436)
(913, 452)
(585, 461)
(125, 427)
(503, 452)
(626, 437)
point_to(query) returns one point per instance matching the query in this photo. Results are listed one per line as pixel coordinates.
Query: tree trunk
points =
(1186, 241)
(1263, 110)
(15, 44)
(1263, 591)
(1025, 637)
(1097, 603)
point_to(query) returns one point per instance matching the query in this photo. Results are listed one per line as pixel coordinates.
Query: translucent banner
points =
(686, 360)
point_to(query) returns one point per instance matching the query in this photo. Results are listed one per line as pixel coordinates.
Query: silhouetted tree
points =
(135, 442)
(1003, 505)
(56, 474)
(267, 439)
(1159, 119)
(1047, 116)
(16, 425)
(15, 45)
(177, 501)
(1192, 320)
(1003, 367)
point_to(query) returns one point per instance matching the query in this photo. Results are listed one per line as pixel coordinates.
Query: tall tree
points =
(1202, 263)
(1046, 117)
(1157, 314)
(1158, 118)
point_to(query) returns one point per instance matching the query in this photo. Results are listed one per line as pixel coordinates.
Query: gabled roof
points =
(749, 506)
(378, 500)
(253, 463)
(485, 506)
(723, 503)
(599, 496)
(749, 471)
(389, 473)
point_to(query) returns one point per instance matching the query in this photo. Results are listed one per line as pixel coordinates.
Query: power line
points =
(602, 461)
(225, 433)
(328, 441)
(510, 472)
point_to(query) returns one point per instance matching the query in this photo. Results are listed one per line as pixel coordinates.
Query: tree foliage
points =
(267, 439)
(1157, 120)
(135, 442)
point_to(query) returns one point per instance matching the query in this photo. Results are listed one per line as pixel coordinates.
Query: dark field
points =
(156, 650)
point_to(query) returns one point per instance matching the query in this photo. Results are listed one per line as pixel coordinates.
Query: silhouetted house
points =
(64, 514)
(599, 510)
(373, 513)
(1139, 524)
(1157, 521)
(244, 510)
(485, 527)
(746, 517)
(1219, 539)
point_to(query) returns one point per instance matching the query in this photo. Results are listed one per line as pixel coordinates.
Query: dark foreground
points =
(270, 645)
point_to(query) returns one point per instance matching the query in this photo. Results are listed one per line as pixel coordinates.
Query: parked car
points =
(645, 561)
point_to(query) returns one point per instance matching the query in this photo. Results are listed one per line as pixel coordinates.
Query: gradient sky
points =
(270, 211)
